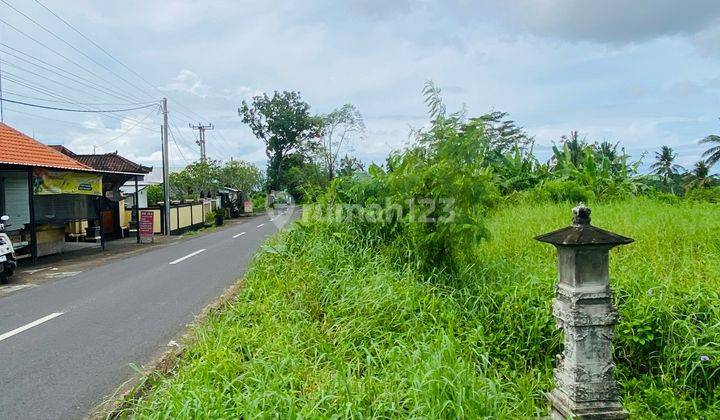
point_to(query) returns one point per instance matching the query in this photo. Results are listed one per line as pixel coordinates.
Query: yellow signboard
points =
(47, 182)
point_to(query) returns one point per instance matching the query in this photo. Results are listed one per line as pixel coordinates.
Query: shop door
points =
(108, 222)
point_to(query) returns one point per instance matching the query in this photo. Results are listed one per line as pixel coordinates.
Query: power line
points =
(55, 95)
(179, 132)
(57, 70)
(76, 110)
(73, 47)
(139, 76)
(42, 44)
(90, 104)
(68, 24)
(152, 111)
(50, 80)
(42, 117)
(178, 147)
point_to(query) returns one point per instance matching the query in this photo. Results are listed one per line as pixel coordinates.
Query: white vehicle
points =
(7, 253)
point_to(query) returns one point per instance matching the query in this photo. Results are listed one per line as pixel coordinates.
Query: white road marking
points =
(261, 225)
(61, 274)
(35, 270)
(187, 256)
(30, 325)
(239, 234)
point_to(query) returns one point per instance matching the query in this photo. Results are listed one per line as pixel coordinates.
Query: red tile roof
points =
(106, 162)
(18, 149)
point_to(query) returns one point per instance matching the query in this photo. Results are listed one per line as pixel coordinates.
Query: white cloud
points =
(189, 82)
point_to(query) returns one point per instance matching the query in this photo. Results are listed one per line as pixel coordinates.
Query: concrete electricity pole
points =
(166, 169)
(201, 141)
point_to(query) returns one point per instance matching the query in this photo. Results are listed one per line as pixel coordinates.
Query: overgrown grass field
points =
(328, 325)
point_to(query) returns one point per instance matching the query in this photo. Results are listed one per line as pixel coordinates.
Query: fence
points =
(183, 217)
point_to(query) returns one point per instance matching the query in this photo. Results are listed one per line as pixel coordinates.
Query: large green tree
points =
(200, 178)
(284, 123)
(241, 175)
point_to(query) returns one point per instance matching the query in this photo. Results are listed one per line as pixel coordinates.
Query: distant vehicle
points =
(8, 263)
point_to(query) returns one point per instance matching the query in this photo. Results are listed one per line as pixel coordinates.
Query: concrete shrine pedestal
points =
(585, 385)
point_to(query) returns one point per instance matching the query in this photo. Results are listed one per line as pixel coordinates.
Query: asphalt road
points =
(68, 344)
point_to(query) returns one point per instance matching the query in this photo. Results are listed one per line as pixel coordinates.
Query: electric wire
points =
(49, 79)
(89, 104)
(55, 95)
(106, 90)
(42, 44)
(57, 70)
(42, 117)
(172, 136)
(152, 111)
(75, 110)
(71, 46)
(139, 76)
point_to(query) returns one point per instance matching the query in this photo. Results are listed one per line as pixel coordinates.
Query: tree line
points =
(306, 152)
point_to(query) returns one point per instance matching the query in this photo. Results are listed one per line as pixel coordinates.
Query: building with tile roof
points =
(51, 192)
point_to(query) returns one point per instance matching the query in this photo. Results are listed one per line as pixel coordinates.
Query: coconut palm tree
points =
(711, 155)
(700, 176)
(664, 165)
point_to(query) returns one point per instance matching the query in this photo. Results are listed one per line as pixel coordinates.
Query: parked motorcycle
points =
(8, 262)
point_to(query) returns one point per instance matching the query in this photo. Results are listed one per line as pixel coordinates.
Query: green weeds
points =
(329, 325)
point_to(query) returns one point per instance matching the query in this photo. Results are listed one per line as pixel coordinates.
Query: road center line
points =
(187, 256)
(239, 234)
(30, 325)
(261, 225)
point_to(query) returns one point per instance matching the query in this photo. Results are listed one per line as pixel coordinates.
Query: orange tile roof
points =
(18, 149)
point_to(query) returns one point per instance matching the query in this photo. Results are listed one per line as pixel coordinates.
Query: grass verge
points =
(328, 326)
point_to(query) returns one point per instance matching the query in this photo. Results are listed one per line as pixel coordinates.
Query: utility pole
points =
(201, 141)
(166, 168)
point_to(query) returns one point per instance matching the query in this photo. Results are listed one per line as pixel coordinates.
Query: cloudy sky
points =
(645, 73)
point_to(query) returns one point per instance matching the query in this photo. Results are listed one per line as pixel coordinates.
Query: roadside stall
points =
(66, 204)
(46, 194)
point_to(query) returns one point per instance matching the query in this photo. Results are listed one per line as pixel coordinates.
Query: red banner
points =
(147, 223)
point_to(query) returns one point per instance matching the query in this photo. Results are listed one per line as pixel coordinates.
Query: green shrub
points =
(555, 191)
(710, 195)
(212, 215)
(259, 201)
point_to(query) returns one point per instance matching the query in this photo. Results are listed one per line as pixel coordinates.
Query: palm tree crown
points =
(664, 165)
(701, 170)
(711, 155)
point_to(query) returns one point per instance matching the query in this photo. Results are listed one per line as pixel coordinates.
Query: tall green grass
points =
(330, 326)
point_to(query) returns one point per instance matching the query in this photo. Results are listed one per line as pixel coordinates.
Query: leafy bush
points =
(430, 201)
(212, 215)
(710, 195)
(259, 201)
(558, 191)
